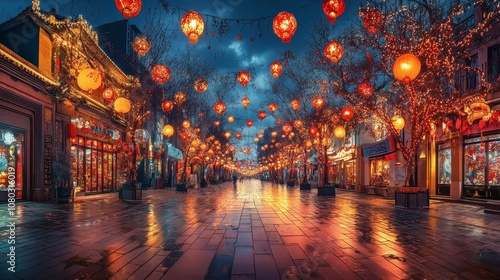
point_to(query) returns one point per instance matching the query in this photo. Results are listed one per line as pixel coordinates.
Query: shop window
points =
(379, 172)
(443, 170)
(482, 169)
(11, 163)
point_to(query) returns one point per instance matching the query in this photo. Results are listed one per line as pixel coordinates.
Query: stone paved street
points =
(254, 231)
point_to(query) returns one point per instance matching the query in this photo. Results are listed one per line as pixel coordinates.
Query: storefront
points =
(444, 169)
(174, 165)
(380, 157)
(11, 162)
(344, 167)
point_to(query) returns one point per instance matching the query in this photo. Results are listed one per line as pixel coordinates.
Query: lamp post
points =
(168, 131)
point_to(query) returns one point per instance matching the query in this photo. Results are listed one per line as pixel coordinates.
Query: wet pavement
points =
(254, 231)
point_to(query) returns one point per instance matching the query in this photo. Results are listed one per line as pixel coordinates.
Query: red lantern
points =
(262, 115)
(220, 108)
(249, 123)
(276, 69)
(184, 136)
(245, 101)
(243, 78)
(160, 73)
(200, 85)
(347, 113)
(313, 131)
(180, 97)
(239, 135)
(129, 8)
(279, 122)
(318, 102)
(295, 104)
(334, 51)
(365, 89)
(272, 107)
(192, 26)
(108, 94)
(167, 105)
(285, 26)
(71, 130)
(372, 20)
(333, 9)
(141, 45)
(287, 128)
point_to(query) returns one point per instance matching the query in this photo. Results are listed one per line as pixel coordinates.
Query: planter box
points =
(181, 188)
(326, 191)
(290, 183)
(130, 194)
(305, 186)
(412, 200)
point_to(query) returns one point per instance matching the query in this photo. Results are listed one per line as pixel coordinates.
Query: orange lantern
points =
(186, 124)
(333, 9)
(227, 134)
(160, 73)
(168, 130)
(339, 132)
(141, 45)
(285, 26)
(287, 128)
(129, 8)
(180, 97)
(108, 94)
(276, 69)
(295, 104)
(279, 122)
(243, 78)
(333, 51)
(230, 119)
(272, 107)
(245, 101)
(406, 67)
(318, 102)
(167, 105)
(313, 131)
(262, 115)
(192, 26)
(217, 123)
(347, 113)
(298, 124)
(220, 108)
(398, 122)
(200, 85)
(239, 135)
(372, 21)
(365, 89)
(122, 105)
(184, 136)
(89, 79)
(249, 123)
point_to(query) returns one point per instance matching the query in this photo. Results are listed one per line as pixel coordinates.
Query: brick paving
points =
(254, 231)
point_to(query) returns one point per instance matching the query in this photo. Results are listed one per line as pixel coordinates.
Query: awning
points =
(173, 152)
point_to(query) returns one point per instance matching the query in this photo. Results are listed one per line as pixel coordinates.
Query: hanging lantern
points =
(200, 85)
(308, 144)
(262, 115)
(89, 79)
(333, 51)
(279, 122)
(256, 139)
(220, 108)
(287, 128)
(347, 113)
(129, 8)
(230, 119)
(217, 123)
(239, 135)
(249, 123)
(313, 131)
(227, 134)
(276, 69)
(285, 26)
(318, 102)
(180, 97)
(186, 124)
(245, 101)
(260, 135)
(122, 105)
(192, 26)
(160, 73)
(184, 136)
(333, 9)
(295, 104)
(243, 78)
(141, 135)
(406, 67)
(141, 45)
(365, 89)
(298, 124)
(274, 134)
(398, 122)
(108, 94)
(272, 107)
(372, 21)
(168, 130)
(339, 132)
(167, 105)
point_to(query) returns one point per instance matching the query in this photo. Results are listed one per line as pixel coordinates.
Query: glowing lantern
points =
(129, 8)
(256, 139)
(180, 97)
(220, 108)
(230, 119)
(167, 105)
(243, 78)
(160, 73)
(272, 107)
(372, 20)
(333, 9)
(333, 51)
(89, 79)
(276, 69)
(192, 26)
(192, 150)
(406, 67)
(365, 89)
(339, 132)
(347, 113)
(216, 123)
(168, 130)
(203, 147)
(262, 115)
(285, 26)
(108, 94)
(184, 136)
(122, 105)
(186, 124)
(239, 135)
(200, 85)
(249, 123)
(245, 101)
(279, 122)
(227, 134)
(313, 131)
(141, 45)
(308, 144)
(274, 134)
(398, 122)
(287, 128)
(318, 102)
(298, 124)
(295, 104)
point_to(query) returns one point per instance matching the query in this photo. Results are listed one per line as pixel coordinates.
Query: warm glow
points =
(272, 107)
(168, 130)
(339, 132)
(220, 108)
(333, 9)
(287, 128)
(186, 124)
(249, 123)
(298, 124)
(180, 97)
(313, 131)
(89, 79)
(108, 94)
(365, 89)
(262, 115)
(406, 67)
(243, 78)
(398, 122)
(141, 45)
(129, 8)
(347, 113)
(227, 134)
(230, 119)
(295, 104)
(285, 26)
(334, 51)
(160, 73)
(276, 69)
(318, 102)
(167, 105)
(192, 26)
(245, 101)
(372, 20)
(122, 105)
(201, 85)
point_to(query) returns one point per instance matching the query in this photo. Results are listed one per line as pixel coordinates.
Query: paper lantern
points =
(249, 123)
(186, 124)
(122, 105)
(168, 130)
(295, 104)
(276, 69)
(298, 124)
(192, 26)
(141, 45)
(245, 101)
(108, 94)
(398, 122)
(285, 26)
(406, 67)
(217, 123)
(365, 89)
(334, 51)
(308, 144)
(287, 128)
(129, 8)
(372, 21)
(243, 78)
(339, 132)
(71, 130)
(274, 134)
(313, 131)
(279, 122)
(347, 113)
(239, 135)
(227, 134)
(200, 85)
(220, 108)
(333, 9)
(262, 115)
(180, 97)
(272, 107)
(318, 102)
(230, 119)
(184, 136)
(89, 79)
(256, 139)
(167, 105)
(160, 73)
